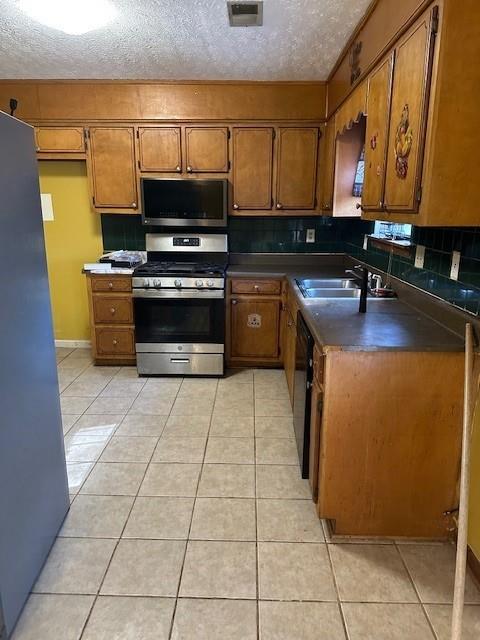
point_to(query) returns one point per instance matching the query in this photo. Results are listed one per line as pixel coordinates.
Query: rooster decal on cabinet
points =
(403, 144)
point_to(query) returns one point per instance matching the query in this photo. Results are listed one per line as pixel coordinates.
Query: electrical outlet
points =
(455, 265)
(310, 235)
(420, 256)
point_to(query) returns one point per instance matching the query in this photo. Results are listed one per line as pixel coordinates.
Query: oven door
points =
(179, 320)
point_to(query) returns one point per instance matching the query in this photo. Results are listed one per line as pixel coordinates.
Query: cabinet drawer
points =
(111, 342)
(111, 283)
(265, 287)
(112, 310)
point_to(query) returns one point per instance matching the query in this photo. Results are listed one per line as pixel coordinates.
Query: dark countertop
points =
(387, 325)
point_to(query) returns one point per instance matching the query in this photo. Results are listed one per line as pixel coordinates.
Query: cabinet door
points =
(378, 111)
(159, 149)
(112, 167)
(296, 167)
(60, 139)
(255, 328)
(328, 152)
(206, 149)
(252, 167)
(290, 333)
(315, 432)
(408, 113)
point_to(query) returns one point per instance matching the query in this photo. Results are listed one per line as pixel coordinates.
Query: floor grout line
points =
(118, 539)
(191, 518)
(417, 592)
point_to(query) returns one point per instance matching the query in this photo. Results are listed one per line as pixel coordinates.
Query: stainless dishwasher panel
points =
(302, 394)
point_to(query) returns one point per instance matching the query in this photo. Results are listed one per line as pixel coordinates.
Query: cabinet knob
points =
(115, 342)
(326, 206)
(279, 206)
(134, 204)
(380, 204)
(256, 287)
(235, 206)
(189, 169)
(112, 310)
(110, 285)
(178, 168)
(38, 148)
(234, 302)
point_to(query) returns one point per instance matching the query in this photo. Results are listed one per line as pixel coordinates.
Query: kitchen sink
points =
(333, 288)
(328, 283)
(330, 293)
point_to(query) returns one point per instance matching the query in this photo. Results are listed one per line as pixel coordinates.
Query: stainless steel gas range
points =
(179, 305)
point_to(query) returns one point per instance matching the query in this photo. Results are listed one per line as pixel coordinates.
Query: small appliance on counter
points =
(179, 304)
(123, 259)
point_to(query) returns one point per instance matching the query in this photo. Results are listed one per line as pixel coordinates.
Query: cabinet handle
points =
(234, 302)
(112, 310)
(179, 168)
(110, 285)
(289, 323)
(134, 204)
(256, 287)
(38, 148)
(279, 206)
(235, 206)
(114, 342)
(189, 169)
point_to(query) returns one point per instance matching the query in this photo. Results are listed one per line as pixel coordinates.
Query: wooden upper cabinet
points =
(206, 149)
(60, 139)
(328, 152)
(252, 167)
(112, 167)
(255, 328)
(376, 135)
(408, 114)
(297, 152)
(159, 149)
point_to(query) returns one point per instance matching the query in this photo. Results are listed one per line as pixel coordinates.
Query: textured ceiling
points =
(183, 40)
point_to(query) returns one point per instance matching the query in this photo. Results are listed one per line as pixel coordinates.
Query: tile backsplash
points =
(336, 235)
(434, 277)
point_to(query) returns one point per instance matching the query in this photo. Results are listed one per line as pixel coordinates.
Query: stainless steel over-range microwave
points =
(180, 202)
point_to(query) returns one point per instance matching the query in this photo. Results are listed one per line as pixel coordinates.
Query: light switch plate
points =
(455, 265)
(310, 235)
(419, 256)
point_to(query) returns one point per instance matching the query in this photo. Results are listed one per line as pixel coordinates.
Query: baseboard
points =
(474, 564)
(74, 344)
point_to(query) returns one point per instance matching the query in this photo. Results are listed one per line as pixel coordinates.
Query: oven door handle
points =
(174, 294)
(180, 360)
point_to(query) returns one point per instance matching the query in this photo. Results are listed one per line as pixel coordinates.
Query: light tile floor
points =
(189, 521)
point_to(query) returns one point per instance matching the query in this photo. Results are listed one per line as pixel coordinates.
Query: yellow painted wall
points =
(474, 511)
(72, 238)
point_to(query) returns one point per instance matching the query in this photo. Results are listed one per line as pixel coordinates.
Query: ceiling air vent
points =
(248, 13)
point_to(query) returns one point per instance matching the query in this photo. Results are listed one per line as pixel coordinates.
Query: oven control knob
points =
(146, 282)
(157, 283)
(177, 283)
(199, 283)
(209, 283)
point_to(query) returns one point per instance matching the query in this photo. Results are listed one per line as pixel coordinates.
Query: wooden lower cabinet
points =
(315, 436)
(254, 322)
(111, 318)
(289, 342)
(388, 434)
